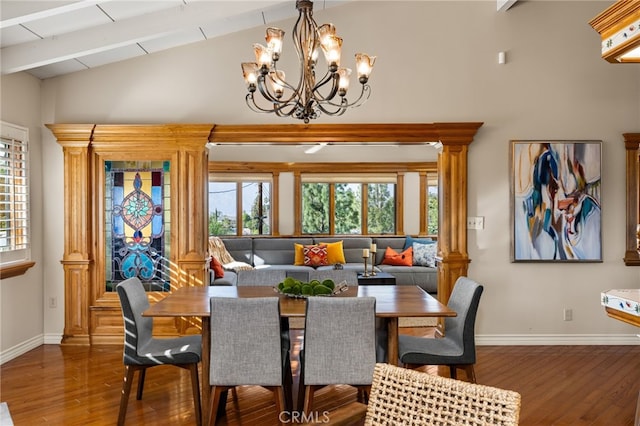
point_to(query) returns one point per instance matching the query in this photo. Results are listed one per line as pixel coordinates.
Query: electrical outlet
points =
(53, 302)
(475, 222)
(568, 314)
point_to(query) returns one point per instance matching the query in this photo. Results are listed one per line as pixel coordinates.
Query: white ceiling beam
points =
(47, 13)
(504, 5)
(122, 33)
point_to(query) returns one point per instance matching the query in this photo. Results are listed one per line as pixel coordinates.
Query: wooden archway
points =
(452, 170)
(93, 315)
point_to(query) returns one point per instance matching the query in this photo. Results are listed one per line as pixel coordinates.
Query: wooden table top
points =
(391, 301)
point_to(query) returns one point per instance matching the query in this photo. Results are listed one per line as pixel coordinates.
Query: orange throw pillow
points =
(392, 257)
(218, 271)
(315, 255)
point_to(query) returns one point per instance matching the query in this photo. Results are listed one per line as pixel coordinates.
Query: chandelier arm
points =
(278, 109)
(283, 82)
(264, 90)
(298, 46)
(334, 78)
(366, 90)
(340, 109)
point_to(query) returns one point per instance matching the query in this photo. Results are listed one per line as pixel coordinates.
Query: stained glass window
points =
(138, 225)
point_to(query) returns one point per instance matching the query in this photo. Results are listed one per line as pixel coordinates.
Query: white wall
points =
(437, 61)
(21, 297)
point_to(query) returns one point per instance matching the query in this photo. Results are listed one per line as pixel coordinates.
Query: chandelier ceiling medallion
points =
(310, 97)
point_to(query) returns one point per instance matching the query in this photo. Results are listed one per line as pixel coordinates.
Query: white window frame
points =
(17, 136)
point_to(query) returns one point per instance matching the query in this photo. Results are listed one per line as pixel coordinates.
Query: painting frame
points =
(555, 200)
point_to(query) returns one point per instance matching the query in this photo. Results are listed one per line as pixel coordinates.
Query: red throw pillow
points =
(392, 257)
(315, 255)
(218, 271)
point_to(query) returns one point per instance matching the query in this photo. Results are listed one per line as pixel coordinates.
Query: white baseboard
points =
(556, 339)
(22, 348)
(481, 340)
(53, 338)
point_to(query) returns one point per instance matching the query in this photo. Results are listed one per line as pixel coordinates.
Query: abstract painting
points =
(555, 201)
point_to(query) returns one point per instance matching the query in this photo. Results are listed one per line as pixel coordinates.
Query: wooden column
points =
(192, 192)
(78, 256)
(452, 193)
(631, 144)
(92, 313)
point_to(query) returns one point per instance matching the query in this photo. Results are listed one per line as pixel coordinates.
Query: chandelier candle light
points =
(373, 250)
(365, 257)
(304, 101)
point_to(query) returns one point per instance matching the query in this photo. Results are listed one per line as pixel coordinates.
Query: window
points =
(343, 205)
(137, 223)
(432, 204)
(14, 194)
(323, 199)
(239, 205)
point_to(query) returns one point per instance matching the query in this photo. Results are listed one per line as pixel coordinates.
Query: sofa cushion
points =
(396, 243)
(424, 254)
(392, 257)
(276, 251)
(351, 247)
(229, 278)
(315, 255)
(216, 266)
(422, 276)
(241, 249)
(335, 252)
(298, 256)
(409, 240)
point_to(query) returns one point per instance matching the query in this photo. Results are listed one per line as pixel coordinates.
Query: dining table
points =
(392, 303)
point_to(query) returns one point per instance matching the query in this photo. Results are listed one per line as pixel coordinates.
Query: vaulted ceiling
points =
(55, 37)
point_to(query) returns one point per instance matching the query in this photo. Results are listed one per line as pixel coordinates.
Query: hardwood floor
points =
(73, 385)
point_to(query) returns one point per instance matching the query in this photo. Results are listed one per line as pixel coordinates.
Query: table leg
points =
(206, 365)
(392, 340)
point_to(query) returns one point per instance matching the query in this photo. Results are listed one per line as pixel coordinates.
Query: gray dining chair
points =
(457, 349)
(338, 348)
(246, 349)
(266, 277)
(142, 351)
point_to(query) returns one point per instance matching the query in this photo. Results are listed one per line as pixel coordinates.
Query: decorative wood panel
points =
(631, 144)
(92, 314)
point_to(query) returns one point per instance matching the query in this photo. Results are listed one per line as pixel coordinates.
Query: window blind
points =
(14, 192)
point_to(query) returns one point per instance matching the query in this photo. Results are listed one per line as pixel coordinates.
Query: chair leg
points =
(300, 400)
(195, 388)
(452, 369)
(216, 392)
(309, 392)
(141, 376)
(129, 371)
(471, 373)
(363, 393)
(288, 386)
(279, 396)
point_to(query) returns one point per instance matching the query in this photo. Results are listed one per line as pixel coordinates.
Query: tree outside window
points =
(254, 217)
(345, 215)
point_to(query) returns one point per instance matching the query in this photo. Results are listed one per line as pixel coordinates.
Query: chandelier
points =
(310, 97)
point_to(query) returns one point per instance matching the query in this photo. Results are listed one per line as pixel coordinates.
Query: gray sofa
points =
(279, 254)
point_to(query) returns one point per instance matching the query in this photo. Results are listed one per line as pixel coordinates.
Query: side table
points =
(380, 278)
